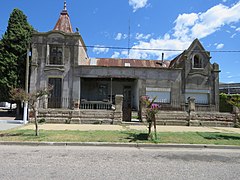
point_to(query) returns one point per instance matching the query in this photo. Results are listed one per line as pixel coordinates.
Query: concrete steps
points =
(172, 118)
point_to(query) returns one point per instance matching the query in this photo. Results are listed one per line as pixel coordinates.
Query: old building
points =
(229, 88)
(59, 57)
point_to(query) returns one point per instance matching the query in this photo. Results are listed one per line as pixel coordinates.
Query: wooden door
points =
(55, 99)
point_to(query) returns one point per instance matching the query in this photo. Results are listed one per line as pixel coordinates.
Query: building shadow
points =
(218, 136)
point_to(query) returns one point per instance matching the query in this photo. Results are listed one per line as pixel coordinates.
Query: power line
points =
(145, 49)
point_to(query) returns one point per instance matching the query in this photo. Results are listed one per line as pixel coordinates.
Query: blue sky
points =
(154, 24)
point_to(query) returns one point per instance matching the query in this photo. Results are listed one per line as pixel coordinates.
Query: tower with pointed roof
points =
(54, 53)
(64, 24)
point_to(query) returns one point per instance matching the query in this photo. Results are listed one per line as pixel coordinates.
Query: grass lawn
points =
(121, 136)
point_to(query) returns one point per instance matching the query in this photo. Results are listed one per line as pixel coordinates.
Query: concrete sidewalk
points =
(89, 127)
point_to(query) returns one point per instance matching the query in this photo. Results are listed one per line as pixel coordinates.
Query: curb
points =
(134, 145)
(12, 121)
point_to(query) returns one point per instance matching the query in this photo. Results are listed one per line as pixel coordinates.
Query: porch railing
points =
(96, 105)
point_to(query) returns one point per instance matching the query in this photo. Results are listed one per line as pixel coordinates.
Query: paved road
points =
(49, 162)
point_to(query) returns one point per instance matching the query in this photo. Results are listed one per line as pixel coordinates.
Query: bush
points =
(227, 101)
(224, 106)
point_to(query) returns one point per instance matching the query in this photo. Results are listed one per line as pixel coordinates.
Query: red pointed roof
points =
(63, 23)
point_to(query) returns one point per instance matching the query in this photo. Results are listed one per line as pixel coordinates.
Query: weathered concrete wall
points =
(74, 54)
(128, 72)
(204, 79)
(139, 80)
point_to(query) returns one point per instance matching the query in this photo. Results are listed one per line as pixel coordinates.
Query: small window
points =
(56, 55)
(197, 61)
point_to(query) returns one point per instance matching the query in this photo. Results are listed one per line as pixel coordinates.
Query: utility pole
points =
(25, 110)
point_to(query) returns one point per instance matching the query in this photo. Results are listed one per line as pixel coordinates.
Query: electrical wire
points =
(145, 49)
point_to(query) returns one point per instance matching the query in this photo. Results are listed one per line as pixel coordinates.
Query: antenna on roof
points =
(129, 34)
(65, 6)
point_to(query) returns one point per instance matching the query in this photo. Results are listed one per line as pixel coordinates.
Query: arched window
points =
(197, 61)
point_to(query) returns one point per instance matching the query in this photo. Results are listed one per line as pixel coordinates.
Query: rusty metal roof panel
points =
(110, 62)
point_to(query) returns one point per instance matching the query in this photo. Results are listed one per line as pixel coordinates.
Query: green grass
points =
(121, 136)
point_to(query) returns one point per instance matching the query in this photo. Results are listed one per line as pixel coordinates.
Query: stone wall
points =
(192, 117)
(168, 118)
(81, 116)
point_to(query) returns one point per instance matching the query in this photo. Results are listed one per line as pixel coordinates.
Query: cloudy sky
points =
(155, 25)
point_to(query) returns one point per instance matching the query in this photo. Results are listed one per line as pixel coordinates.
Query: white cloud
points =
(224, 0)
(191, 26)
(232, 36)
(120, 36)
(100, 49)
(137, 4)
(156, 44)
(140, 36)
(115, 55)
(219, 46)
(183, 24)
(214, 18)
(187, 28)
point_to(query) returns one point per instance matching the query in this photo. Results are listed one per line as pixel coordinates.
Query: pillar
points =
(118, 109)
(76, 93)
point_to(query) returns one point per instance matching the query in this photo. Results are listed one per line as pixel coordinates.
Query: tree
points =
(18, 94)
(13, 52)
(151, 111)
(234, 100)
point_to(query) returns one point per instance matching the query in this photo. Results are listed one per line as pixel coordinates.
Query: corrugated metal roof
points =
(131, 63)
(63, 23)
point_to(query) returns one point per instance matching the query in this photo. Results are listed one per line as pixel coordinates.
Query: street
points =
(75, 162)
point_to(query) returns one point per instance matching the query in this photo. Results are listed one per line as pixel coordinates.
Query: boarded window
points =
(201, 96)
(56, 55)
(163, 94)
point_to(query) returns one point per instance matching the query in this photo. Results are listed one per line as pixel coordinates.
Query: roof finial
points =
(65, 6)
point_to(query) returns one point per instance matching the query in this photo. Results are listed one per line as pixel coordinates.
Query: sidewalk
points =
(124, 127)
(90, 127)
